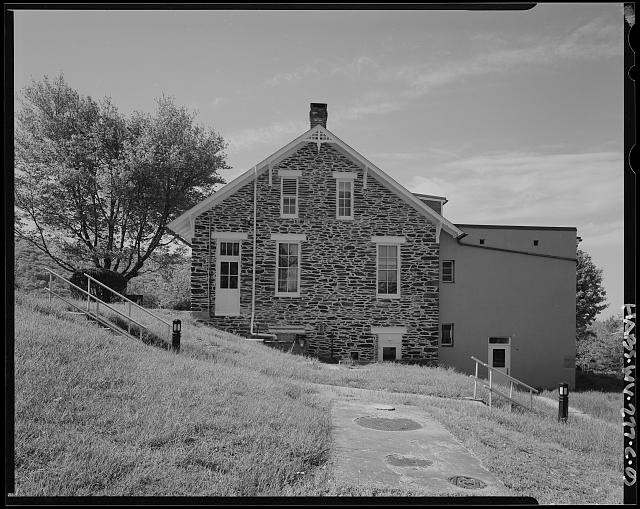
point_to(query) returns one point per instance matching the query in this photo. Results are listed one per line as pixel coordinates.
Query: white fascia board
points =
(389, 239)
(452, 229)
(292, 237)
(290, 173)
(178, 225)
(344, 175)
(229, 235)
(186, 231)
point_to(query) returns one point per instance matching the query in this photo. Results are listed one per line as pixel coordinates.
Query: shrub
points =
(113, 280)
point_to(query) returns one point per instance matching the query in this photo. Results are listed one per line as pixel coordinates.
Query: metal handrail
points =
(89, 296)
(505, 375)
(492, 389)
(100, 319)
(128, 300)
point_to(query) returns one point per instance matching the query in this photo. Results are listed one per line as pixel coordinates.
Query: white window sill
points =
(346, 218)
(288, 216)
(381, 296)
(296, 294)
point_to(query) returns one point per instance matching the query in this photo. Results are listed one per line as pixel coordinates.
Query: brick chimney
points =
(318, 114)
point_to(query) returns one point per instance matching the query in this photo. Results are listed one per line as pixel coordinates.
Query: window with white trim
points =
(288, 269)
(289, 197)
(344, 198)
(446, 337)
(388, 270)
(448, 271)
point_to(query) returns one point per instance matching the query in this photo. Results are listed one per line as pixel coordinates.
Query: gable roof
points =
(183, 225)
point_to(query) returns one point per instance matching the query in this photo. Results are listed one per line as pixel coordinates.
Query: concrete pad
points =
(421, 460)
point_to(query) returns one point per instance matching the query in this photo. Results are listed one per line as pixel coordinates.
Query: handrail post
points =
(129, 321)
(510, 394)
(88, 295)
(490, 391)
(475, 382)
(530, 400)
(97, 308)
(50, 286)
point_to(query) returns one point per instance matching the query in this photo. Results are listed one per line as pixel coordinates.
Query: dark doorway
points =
(389, 353)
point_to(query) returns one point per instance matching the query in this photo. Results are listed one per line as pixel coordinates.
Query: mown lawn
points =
(100, 415)
(233, 417)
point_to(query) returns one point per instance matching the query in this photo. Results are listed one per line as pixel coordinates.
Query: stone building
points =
(317, 244)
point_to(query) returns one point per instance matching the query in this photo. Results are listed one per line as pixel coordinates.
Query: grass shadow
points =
(605, 382)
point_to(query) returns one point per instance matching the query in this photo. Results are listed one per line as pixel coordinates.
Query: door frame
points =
(393, 339)
(227, 258)
(506, 345)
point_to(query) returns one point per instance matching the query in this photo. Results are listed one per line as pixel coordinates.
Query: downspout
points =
(253, 335)
(528, 253)
(209, 273)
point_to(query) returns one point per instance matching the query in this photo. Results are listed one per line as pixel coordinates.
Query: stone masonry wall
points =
(338, 304)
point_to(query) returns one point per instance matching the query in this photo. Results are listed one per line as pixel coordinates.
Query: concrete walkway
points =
(421, 460)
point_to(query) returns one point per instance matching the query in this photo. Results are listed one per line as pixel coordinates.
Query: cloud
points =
(217, 101)
(321, 66)
(595, 40)
(356, 68)
(279, 131)
(582, 190)
(294, 76)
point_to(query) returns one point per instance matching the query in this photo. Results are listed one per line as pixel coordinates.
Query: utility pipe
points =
(253, 283)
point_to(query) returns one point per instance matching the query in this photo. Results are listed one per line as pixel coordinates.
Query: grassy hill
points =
(101, 415)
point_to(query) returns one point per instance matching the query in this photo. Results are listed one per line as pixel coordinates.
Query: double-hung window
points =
(448, 271)
(288, 264)
(289, 193)
(446, 337)
(388, 266)
(289, 197)
(344, 194)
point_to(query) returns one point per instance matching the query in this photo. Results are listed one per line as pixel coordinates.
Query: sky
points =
(515, 117)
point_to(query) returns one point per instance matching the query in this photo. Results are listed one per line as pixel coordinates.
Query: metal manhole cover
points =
(469, 483)
(386, 424)
(406, 461)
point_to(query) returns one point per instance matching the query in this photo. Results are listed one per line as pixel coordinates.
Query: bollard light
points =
(175, 338)
(563, 402)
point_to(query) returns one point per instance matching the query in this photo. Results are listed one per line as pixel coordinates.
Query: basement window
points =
(535, 242)
(481, 241)
(446, 337)
(354, 356)
(389, 353)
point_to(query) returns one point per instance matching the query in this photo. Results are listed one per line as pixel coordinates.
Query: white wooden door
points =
(500, 357)
(228, 278)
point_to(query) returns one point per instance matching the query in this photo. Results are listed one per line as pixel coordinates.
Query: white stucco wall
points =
(497, 294)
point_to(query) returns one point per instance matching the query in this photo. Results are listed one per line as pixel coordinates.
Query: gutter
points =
(176, 236)
(254, 335)
(528, 253)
